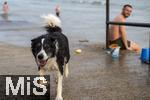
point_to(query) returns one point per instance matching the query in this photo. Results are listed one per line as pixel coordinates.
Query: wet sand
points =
(94, 75)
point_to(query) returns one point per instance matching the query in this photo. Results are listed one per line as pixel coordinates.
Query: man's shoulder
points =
(119, 18)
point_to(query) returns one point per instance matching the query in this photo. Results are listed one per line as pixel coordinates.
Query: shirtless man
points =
(5, 8)
(117, 33)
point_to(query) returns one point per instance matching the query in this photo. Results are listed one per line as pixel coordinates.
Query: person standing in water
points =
(5, 7)
(57, 10)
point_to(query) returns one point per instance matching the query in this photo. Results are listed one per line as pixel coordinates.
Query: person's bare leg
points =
(135, 47)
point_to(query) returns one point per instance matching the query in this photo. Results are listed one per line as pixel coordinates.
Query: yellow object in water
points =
(78, 51)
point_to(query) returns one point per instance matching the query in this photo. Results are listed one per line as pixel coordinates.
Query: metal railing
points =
(119, 23)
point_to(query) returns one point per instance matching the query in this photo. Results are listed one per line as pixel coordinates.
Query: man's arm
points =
(124, 36)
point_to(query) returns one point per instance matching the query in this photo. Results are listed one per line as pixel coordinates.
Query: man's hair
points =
(5, 2)
(127, 5)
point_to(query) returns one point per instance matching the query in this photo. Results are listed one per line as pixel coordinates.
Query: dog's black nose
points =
(40, 56)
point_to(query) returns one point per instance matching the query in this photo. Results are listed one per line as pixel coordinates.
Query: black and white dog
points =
(52, 49)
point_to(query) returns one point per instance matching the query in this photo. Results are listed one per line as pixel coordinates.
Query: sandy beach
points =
(94, 75)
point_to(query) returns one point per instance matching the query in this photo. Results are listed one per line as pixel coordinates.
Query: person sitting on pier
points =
(117, 33)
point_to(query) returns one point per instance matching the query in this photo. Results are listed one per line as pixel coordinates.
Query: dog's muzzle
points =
(41, 61)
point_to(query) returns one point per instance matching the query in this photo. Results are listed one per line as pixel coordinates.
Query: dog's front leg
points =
(59, 86)
(41, 73)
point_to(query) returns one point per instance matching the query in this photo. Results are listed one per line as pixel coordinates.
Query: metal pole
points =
(130, 24)
(149, 44)
(107, 24)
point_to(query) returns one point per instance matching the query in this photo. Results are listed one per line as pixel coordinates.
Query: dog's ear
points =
(32, 40)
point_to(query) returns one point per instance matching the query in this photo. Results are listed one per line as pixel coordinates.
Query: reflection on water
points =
(5, 17)
(129, 68)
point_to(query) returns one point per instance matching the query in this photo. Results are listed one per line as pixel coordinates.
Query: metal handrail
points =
(130, 24)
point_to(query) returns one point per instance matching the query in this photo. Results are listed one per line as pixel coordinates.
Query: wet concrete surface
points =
(94, 74)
